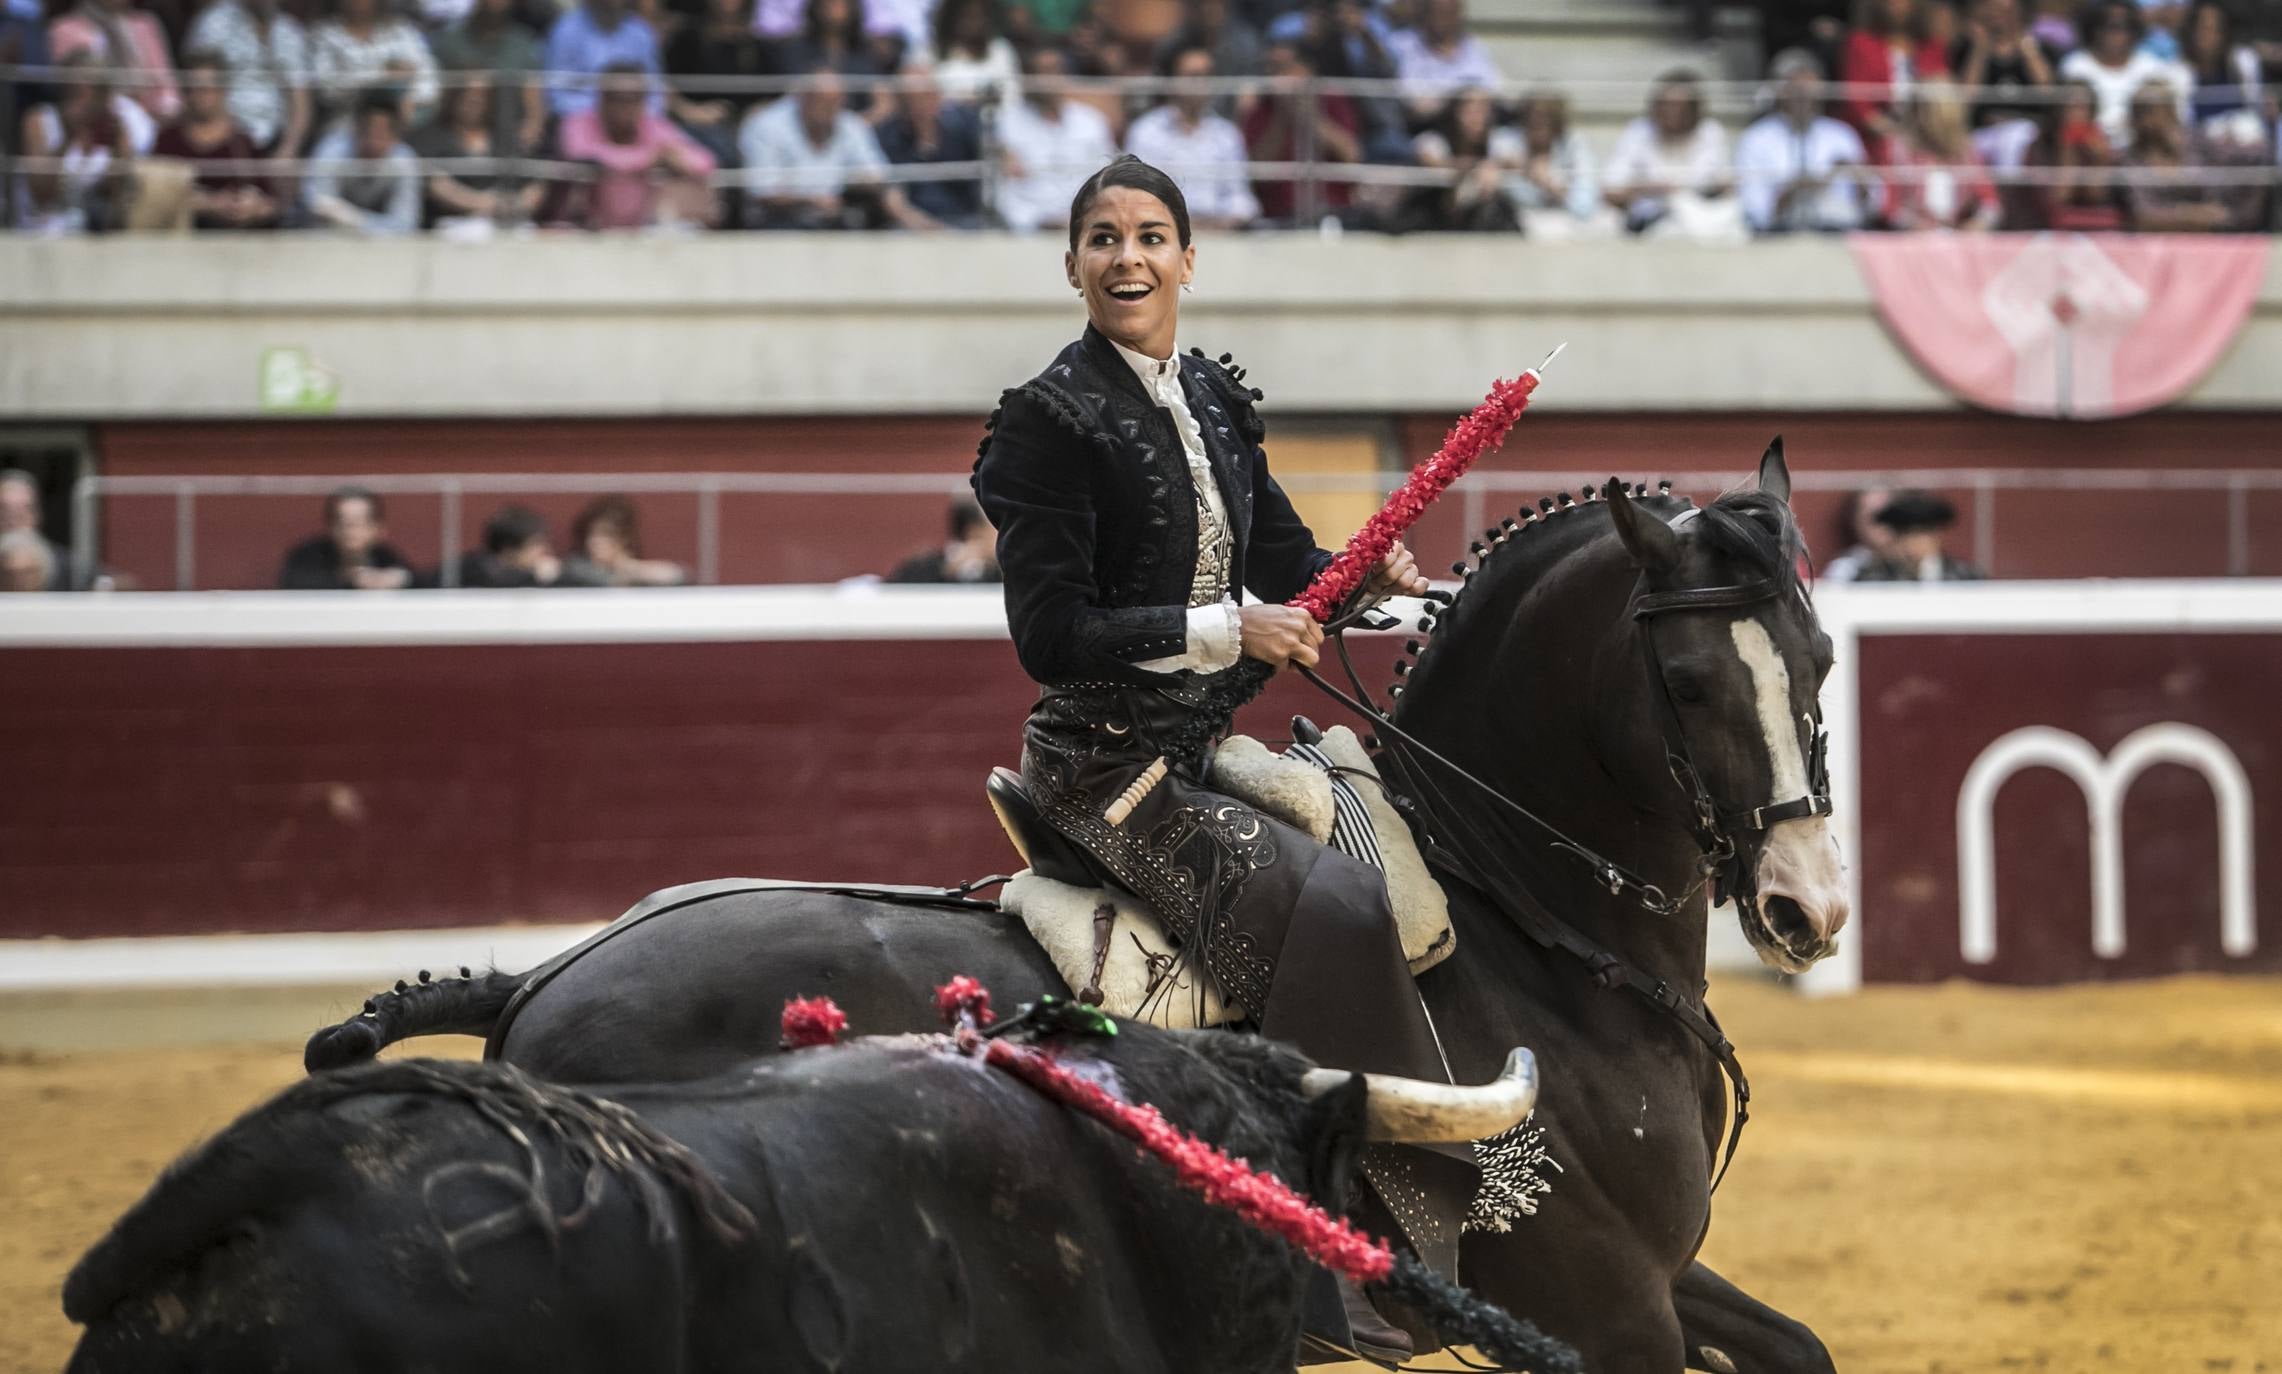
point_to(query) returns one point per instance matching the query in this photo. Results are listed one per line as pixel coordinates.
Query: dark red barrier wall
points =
(821, 539)
(178, 791)
(1932, 703)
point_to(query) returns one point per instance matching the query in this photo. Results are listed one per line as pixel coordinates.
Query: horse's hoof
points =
(351, 1042)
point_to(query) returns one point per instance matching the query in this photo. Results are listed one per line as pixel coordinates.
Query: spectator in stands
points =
(926, 130)
(23, 43)
(1866, 540)
(833, 37)
(2163, 19)
(1558, 187)
(720, 43)
(1439, 58)
(205, 133)
(812, 163)
(1916, 521)
(972, 55)
(886, 30)
(130, 42)
(1479, 155)
(1999, 61)
(1934, 177)
(2113, 65)
(970, 555)
(1275, 130)
(1032, 22)
(595, 37)
(92, 135)
(516, 553)
(382, 201)
(2226, 73)
(2081, 194)
(363, 50)
(1884, 57)
(1797, 169)
(1201, 151)
(469, 125)
(606, 550)
(1347, 48)
(268, 56)
(646, 171)
(353, 554)
(2054, 25)
(1097, 54)
(1048, 143)
(2179, 203)
(1233, 43)
(28, 563)
(490, 39)
(1669, 173)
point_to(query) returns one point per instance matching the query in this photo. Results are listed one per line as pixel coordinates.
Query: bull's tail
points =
(467, 1005)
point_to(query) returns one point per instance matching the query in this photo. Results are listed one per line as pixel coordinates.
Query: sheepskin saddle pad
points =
(1144, 976)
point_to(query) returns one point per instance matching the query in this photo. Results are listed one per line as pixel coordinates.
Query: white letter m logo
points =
(2104, 783)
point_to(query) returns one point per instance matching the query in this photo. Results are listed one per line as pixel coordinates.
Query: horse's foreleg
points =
(1730, 1332)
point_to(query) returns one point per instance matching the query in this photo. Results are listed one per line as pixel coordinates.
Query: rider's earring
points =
(1188, 286)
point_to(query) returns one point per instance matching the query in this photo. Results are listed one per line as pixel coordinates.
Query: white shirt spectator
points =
(344, 64)
(1694, 164)
(1773, 153)
(780, 161)
(84, 169)
(1054, 152)
(1205, 160)
(997, 71)
(2115, 85)
(262, 67)
(1423, 71)
(384, 203)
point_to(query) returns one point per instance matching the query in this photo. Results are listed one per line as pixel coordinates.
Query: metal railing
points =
(1483, 496)
(1310, 175)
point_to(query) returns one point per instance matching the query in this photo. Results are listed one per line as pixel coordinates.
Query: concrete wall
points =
(776, 324)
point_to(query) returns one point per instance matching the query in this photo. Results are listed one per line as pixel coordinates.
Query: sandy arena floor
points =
(1950, 1179)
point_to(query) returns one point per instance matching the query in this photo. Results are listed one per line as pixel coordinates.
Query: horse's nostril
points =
(1787, 918)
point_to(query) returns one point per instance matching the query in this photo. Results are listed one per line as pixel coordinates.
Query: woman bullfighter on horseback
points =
(1134, 507)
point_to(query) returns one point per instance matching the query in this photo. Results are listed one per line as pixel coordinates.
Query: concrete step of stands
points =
(1629, 42)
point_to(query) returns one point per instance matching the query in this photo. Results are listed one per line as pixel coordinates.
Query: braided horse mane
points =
(1749, 527)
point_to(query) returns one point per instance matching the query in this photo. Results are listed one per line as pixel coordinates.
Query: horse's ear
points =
(1649, 540)
(1774, 473)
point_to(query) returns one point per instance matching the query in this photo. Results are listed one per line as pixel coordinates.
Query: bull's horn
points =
(1413, 1110)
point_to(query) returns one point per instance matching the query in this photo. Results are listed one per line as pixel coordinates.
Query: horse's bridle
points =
(1725, 863)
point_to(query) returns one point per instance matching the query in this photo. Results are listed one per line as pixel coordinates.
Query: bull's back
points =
(696, 990)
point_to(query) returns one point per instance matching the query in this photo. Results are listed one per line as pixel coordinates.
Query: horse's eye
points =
(1685, 687)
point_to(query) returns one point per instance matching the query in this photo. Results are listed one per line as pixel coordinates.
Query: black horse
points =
(1640, 671)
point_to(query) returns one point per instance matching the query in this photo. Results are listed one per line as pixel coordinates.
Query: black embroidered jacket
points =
(1083, 475)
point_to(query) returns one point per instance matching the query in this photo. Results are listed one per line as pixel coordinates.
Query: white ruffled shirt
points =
(1215, 634)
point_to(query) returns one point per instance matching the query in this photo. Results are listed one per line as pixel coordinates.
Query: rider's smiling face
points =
(1130, 264)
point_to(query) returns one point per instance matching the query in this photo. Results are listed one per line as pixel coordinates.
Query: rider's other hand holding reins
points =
(1397, 575)
(1280, 635)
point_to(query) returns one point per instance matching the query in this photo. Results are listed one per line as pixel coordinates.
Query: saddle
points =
(1110, 946)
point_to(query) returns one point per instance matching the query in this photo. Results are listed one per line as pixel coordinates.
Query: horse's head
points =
(1719, 672)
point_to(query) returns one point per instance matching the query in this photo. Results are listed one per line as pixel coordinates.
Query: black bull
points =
(885, 1204)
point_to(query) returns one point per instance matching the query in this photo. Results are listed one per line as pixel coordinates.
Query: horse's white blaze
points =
(1800, 860)
(1771, 692)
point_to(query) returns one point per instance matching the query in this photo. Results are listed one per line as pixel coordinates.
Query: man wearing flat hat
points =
(1916, 520)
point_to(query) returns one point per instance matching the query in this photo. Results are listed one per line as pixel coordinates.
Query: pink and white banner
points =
(2083, 326)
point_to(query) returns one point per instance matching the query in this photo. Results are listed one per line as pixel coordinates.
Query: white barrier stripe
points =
(375, 959)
